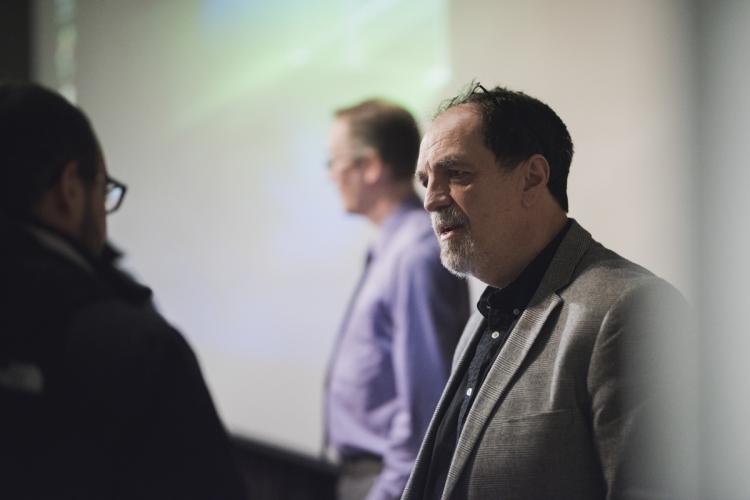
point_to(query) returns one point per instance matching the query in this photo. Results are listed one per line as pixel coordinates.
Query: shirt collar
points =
(391, 224)
(28, 227)
(516, 296)
(59, 245)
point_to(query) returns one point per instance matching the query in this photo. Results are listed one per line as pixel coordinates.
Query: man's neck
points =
(545, 231)
(391, 200)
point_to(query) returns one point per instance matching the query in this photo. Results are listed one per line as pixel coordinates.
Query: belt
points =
(361, 464)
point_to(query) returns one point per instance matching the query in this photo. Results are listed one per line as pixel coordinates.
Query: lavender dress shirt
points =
(393, 354)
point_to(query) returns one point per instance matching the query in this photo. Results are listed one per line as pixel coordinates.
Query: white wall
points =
(618, 75)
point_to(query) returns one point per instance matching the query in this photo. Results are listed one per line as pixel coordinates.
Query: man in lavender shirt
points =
(392, 357)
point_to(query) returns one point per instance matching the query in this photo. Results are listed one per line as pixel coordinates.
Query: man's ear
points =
(373, 167)
(536, 174)
(68, 192)
(63, 205)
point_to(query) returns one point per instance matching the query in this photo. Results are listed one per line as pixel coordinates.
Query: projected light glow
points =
(216, 113)
(335, 50)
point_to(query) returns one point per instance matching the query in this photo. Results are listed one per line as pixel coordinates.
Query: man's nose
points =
(436, 197)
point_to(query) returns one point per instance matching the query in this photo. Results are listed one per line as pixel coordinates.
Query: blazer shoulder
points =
(113, 334)
(602, 278)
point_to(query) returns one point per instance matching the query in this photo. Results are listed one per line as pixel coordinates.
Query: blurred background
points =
(215, 114)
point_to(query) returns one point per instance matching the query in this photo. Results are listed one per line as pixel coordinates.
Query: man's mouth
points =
(447, 231)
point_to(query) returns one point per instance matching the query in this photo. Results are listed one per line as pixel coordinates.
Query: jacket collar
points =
(59, 245)
(22, 235)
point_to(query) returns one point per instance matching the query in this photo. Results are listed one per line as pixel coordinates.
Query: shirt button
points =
(516, 312)
(495, 335)
(468, 391)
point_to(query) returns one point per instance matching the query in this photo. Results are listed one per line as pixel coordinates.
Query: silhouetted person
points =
(100, 397)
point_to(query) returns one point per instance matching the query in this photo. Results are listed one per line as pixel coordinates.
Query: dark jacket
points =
(99, 396)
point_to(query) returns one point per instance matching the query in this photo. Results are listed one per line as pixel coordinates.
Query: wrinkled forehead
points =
(455, 132)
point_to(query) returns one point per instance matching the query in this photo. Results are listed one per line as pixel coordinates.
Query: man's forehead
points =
(338, 131)
(340, 139)
(453, 133)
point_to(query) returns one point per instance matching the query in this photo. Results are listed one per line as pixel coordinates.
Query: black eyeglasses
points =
(475, 88)
(479, 86)
(114, 193)
(537, 144)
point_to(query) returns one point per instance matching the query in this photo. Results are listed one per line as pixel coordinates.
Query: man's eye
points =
(422, 180)
(457, 174)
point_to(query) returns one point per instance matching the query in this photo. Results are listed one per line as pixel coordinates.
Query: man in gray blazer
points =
(552, 376)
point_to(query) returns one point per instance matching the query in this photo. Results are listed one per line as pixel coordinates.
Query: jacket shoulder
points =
(119, 329)
(602, 277)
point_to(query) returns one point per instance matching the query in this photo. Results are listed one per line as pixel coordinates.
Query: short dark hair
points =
(40, 132)
(389, 129)
(517, 126)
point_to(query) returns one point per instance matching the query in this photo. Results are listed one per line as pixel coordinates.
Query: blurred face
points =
(345, 167)
(93, 227)
(475, 204)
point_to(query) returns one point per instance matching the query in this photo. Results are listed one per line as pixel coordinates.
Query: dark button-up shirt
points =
(501, 309)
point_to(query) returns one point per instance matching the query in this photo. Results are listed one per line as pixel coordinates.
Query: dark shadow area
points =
(273, 473)
(15, 40)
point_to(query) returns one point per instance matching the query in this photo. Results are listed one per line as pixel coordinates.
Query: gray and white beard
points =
(457, 254)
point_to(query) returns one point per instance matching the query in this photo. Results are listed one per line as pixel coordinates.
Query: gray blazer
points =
(558, 416)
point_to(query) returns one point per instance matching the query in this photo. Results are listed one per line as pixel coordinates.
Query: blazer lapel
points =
(500, 375)
(518, 345)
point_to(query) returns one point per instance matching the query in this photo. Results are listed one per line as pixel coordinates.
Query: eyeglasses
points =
(347, 163)
(537, 144)
(114, 192)
(478, 86)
